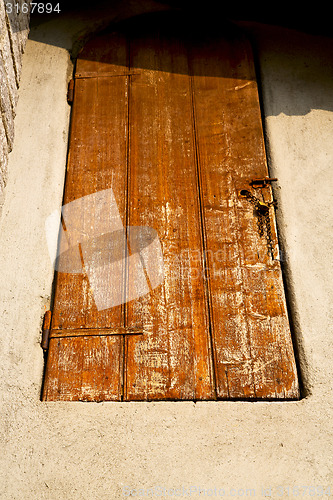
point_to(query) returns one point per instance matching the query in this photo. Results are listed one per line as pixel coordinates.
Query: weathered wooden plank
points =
(83, 369)
(251, 335)
(171, 361)
(104, 55)
(96, 163)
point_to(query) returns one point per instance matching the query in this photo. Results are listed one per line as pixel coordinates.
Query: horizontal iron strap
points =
(95, 332)
(84, 75)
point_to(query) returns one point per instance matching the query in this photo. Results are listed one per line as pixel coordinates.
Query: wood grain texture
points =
(173, 359)
(83, 369)
(172, 124)
(97, 161)
(251, 336)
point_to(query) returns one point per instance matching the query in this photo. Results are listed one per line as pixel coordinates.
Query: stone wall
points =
(14, 28)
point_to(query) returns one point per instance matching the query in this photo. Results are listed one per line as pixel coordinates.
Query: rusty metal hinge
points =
(46, 330)
(70, 92)
(261, 183)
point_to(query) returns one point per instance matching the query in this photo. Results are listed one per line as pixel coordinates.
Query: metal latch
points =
(262, 209)
(262, 183)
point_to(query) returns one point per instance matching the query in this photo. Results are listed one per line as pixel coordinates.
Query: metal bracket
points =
(70, 92)
(94, 332)
(46, 330)
(262, 183)
(51, 333)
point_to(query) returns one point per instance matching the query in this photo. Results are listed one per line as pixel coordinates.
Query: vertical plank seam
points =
(127, 220)
(203, 231)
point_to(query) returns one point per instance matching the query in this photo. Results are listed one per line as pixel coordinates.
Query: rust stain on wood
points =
(177, 134)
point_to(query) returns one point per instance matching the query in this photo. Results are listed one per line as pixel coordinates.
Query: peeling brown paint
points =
(177, 141)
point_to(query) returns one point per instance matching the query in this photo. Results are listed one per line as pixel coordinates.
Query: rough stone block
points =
(8, 63)
(13, 29)
(7, 111)
(3, 158)
(13, 37)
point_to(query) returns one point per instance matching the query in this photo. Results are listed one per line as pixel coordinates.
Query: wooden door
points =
(169, 123)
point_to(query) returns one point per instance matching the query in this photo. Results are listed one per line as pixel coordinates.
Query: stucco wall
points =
(14, 28)
(87, 451)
